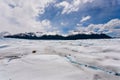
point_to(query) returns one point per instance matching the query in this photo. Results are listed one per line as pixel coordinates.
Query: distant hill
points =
(58, 37)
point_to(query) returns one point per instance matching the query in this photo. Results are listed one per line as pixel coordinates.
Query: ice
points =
(59, 60)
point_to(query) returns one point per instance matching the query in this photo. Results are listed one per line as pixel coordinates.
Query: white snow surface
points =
(59, 60)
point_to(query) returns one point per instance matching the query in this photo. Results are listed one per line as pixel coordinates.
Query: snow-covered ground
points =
(59, 60)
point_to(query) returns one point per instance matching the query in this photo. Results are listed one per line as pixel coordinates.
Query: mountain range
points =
(40, 36)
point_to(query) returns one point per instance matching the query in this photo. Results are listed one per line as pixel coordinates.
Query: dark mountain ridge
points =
(58, 37)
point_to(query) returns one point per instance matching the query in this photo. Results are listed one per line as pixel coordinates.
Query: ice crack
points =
(72, 60)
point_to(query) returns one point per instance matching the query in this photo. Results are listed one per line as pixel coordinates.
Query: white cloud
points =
(85, 18)
(46, 23)
(73, 6)
(111, 27)
(105, 28)
(20, 15)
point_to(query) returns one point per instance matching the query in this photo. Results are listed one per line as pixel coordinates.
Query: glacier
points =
(59, 60)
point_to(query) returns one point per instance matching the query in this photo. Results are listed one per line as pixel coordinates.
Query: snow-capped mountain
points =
(39, 35)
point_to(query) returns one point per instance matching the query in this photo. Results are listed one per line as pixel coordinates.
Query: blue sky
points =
(61, 16)
(100, 14)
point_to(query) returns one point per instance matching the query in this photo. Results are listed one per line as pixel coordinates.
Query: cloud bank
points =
(20, 15)
(112, 28)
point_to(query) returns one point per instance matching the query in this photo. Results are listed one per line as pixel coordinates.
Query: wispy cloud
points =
(85, 18)
(72, 6)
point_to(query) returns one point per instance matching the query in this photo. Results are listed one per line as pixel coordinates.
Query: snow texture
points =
(59, 60)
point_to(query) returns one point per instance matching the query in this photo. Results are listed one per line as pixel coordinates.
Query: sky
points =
(60, 16)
